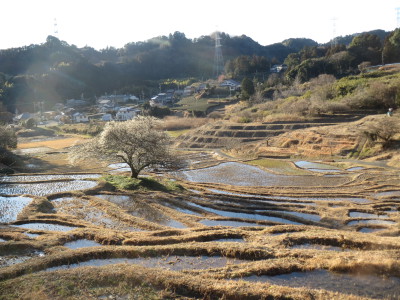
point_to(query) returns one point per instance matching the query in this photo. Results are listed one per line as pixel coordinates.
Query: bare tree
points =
(140, 143)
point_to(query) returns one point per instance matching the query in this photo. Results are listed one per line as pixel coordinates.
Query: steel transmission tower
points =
(218, 59)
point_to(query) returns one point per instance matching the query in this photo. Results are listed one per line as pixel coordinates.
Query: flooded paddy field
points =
(236, 231)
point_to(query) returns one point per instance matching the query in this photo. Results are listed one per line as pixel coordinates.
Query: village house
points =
(232, 84)
(80, 118)
(22, 117)
(126, 113)
(188, 91)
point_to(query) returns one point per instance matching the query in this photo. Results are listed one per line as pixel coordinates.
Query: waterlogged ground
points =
(236, 231)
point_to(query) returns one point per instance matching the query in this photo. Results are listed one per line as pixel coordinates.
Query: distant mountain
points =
(54, 71)
(346, 40)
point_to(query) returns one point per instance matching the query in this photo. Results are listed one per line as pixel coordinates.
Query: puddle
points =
(9, 260)
(374, 222)
(361, 285)
(230, 214)
(33, 178)
(319, 247)
(46, 188)
(1, 240)
(83, 243)
(227, 223)
(175, 263)
(239, 174)
(356, 214)
(45, 226)
(10, 207)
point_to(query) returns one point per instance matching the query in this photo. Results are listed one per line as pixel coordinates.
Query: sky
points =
(114, 23)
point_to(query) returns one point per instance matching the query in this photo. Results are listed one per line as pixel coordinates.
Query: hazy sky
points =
(102, 23)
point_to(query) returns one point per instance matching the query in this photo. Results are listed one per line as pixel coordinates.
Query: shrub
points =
(8, 138)
(383, 131)
(30, 123)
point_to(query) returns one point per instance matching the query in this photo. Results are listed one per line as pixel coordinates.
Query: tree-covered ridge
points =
(55, 71)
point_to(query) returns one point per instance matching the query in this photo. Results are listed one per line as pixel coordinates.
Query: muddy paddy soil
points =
(236, 231)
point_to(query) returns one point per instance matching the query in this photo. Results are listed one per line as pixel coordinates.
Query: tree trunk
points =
(134, 172)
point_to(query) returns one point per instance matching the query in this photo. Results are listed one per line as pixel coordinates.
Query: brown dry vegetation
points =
(138, 226)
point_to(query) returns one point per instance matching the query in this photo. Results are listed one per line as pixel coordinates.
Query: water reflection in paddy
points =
(228, 223)
(317, 167)
(370, 230)
(175, 263)
(258, 217)
(355, 169)
(33, 178)
(45, 226)
(271, 199)
(234, 173)
(374, 222)
(267, 198)
(10, 207)
(388, 193)
(360, 285)
(10, 260)
(83, 243)
(46, 188)
(356, 214)
(32, 235)
(319, 247)
(229, 240)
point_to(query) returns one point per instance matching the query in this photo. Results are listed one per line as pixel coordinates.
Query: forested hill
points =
(55, 71)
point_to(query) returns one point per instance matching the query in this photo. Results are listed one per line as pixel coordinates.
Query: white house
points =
(80, 118)
(126, 113)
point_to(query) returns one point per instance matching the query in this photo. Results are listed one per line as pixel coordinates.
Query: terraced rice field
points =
(237, 231)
